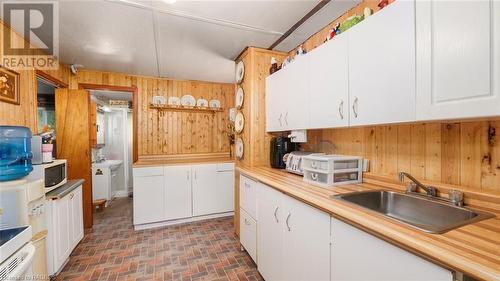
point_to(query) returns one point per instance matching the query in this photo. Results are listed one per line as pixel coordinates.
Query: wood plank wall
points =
(175, 132)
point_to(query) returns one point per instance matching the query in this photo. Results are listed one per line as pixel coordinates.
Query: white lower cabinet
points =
(65, 228)
(293, 238)
(174, 192)
(248, 234)
(359, 256)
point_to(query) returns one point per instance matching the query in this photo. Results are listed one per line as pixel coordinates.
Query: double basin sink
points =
(426, 214)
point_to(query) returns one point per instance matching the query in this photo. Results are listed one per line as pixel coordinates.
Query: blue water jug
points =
(15, 152)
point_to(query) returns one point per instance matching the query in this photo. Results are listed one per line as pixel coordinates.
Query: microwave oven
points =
(53, 174)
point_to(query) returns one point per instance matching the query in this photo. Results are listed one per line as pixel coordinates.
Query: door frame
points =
(135, 108)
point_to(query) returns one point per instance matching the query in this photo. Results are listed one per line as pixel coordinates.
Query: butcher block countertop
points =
(183, 159)
(473, 249)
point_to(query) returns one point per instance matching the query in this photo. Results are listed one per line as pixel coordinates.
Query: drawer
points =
(248, 196)
(148, 171)
(248, 234)
(221, 167)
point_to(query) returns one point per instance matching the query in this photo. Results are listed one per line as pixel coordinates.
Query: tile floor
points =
(206, 250)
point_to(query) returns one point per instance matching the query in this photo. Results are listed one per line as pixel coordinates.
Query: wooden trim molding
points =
(56, 82)
(135, 108)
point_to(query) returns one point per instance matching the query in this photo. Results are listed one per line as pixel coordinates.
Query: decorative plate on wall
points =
(240, 96)
(240, 72)
(239, 122)
(239, 148)
(214, 103)
(159, 100)
(188, 100)
(175, 101)
(202, 103)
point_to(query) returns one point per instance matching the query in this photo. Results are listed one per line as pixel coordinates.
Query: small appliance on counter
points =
(279, 147)
(294, 161)
(54, 174)
(330, 170)
(15, 152)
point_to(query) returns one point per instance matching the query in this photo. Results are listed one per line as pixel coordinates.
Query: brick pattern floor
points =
(206, 250)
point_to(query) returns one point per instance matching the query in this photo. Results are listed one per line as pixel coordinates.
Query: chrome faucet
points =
(431, 191)
(456, 197)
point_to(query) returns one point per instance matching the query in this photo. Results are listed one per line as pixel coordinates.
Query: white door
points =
(382, 66)
(225, 191)
(62, 228)
(270, 233)
(76, 202)
(458, 61)
(329, 84)
(149, 197)
(276, 87)
(296, 97)
(306, 251)
(178, 203)
(359, 256)
(205, 191)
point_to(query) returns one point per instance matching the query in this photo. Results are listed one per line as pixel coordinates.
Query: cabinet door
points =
(329, 84)
(457, 62)
(306, 251)
(296, 98)
(248, 196)
(62, 231)
(76, 205)
(276, 87)
(382, 66)
(149, 199)
(178, 203)
(225, 191)
(270, 233)
(359, 256)
(205, 191)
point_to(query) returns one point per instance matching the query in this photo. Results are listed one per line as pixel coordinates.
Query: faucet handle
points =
(456, 197)
(432, 191)
(411, 187)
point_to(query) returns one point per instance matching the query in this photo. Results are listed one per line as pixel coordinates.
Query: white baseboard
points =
(122, 193)
(180, 221)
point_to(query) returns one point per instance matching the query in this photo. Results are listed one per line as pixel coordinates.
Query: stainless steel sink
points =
(429, 215)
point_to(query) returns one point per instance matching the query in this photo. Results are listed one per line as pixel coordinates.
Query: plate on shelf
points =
(188, 100)
(159, 100)
(239, 122)
(202, 102)
(214, 103)
(174, 101)
(240, 96)
(239, 148)
(240, 72)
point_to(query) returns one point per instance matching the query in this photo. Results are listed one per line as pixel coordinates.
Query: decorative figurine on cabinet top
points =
(274, 66)
(286, 61)
(383, 3)
(337, 29)
(367, 12)
(331, 34)
(300, 51)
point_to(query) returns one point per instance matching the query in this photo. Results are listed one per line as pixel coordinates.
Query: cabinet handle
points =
(276, 217)
(247, 185)
(194, 174)
(71, 196)
(341, 110)
(355, 107)
(286, 118)
(287, 218)
(246, 222)
(279, 119)
(187, 175)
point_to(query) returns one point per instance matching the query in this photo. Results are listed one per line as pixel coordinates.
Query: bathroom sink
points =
(426, 214)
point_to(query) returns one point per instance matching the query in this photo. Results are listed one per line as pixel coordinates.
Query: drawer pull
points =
(275, 216)
(247, 222)
(287, 218)
(247, 185)
(314, 176)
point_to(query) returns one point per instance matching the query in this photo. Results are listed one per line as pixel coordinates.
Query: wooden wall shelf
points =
(163, 108)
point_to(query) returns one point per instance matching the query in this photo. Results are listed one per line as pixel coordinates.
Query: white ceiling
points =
(195, 40)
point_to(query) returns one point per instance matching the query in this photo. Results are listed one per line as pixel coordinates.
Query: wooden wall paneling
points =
(490, 161)
(404, 148)
(93, 124)
(450, 167)
(417, 162)
(73, 141)
(433, 151)
(470, 155)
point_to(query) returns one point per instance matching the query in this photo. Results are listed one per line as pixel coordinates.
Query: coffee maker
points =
(279, 147)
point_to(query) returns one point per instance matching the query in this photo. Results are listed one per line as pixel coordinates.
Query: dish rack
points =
(331, 170)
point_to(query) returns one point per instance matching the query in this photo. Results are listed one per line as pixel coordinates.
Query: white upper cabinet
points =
(382, 66)
(287, 97)
(458, 61)
(329, 84)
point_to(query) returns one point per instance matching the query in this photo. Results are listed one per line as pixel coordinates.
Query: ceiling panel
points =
(190, 49)
(322, 18)
(107, 36)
